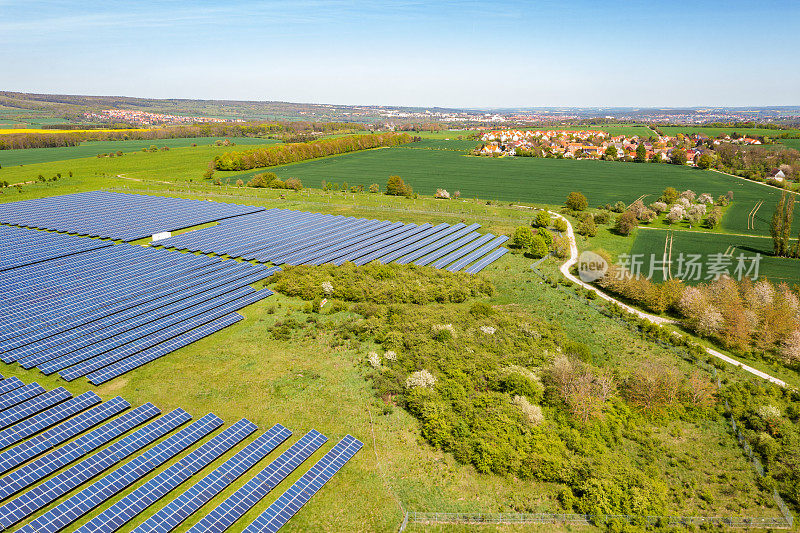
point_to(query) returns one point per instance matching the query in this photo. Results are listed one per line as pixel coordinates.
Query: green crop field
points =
(790, 143)
(651, 243)
(714, 132)
(533, 180)
(92, 148)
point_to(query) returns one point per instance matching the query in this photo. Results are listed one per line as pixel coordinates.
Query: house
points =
(777, 174)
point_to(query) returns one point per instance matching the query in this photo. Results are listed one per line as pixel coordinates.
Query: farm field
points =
(93, 148)
(775, 269)
(791, 143)
(533, 180)
(714, 132)
(9, 131)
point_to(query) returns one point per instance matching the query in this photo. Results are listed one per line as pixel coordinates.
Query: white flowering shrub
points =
(390, 355)
(659, 207)
(441, 193)
(684, 202)
(487, 330)
(768, 412)
(421, 378)
(327, 287)
(705, 198)
(374, 359)
(791, 347)
(532, 412)
(763, 292)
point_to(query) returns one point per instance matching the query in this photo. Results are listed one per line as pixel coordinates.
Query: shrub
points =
(586, 226)
(294, 183)
(576, 201)
(395, 186)
(538, 247)
(532, 413)
(442, 194)
(262, 180)
(542, 219)
(522, 238)
(669, 195)
(559, 224)
(626, 223)
(603, 217)
(421, 378)
(546, 235)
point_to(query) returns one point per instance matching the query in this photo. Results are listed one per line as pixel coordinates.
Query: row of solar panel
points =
(105, 312)
(118, 216)
(282, 236)
(20, 247)
(59, 447)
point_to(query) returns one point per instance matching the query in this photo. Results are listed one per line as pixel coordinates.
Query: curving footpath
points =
(660, 321)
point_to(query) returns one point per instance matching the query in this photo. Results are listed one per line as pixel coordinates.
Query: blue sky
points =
(453, 54)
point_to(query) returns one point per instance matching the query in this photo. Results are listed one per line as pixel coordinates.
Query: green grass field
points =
(714, 132)
(92, 148)
(776, 269)
(534, 180)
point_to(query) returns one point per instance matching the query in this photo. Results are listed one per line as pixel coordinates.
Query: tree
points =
(374, 188)
(611, 152)
(678, 157)
(781, 225)
(641, 154)
(538, 247)
(586, 226)
(714, 218)
(542, 219)
(294, 183)
(560, 225)
(576, 201)
(208, 174)
(626, 223)
(522, 238)
(705, 161)
(239, 183)
(264, 179)
(669, 195)
(546, 235)
(395, 186)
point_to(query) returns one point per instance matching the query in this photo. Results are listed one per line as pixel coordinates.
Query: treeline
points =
(755, 318)
(291, 153)
(19, 141)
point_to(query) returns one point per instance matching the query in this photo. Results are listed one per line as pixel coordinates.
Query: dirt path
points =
(660, 321)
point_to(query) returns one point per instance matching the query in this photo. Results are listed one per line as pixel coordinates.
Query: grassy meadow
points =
(715, 132)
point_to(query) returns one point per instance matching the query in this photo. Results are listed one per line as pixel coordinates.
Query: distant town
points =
(593, 144)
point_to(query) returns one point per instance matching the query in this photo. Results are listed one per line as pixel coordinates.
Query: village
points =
(590, 144)
(145, 118)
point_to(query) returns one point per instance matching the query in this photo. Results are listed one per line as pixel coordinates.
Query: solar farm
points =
(50, 433)
(80, 301)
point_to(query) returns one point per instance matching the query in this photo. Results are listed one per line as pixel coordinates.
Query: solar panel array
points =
(61, 463)
(20, 247)
(107, 311)
(283, 236)
(118, 216)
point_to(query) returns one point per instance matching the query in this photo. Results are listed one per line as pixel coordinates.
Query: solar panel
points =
(101, 490)
(30, 407)
(213, 484)
(61, 484)
(486, 261)
(9, 384)
(304, 488)
(45, 419)
(21, 394)
(241, 501)
(140, 499)
(72, 451)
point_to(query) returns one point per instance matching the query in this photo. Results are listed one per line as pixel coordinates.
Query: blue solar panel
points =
(144, 496)
(26, 392)
(50, 439)
(47, 418)
(241, 501)
(287, 505)
(31, 501)
(65, 513)
(9, 384)
(486, 261)
(202, 492)
(21, 411)
(116, 215)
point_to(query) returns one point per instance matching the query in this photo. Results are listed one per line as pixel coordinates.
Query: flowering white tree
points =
(374, 359)
(705, 198)
(327, 287)
(791, 347)
(390, 355)
(487, 330)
